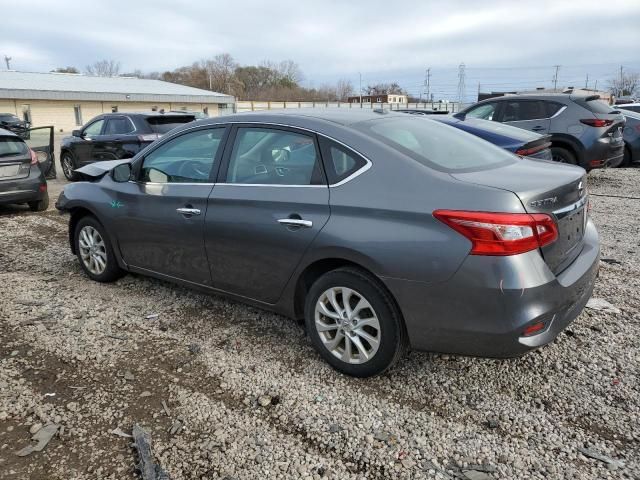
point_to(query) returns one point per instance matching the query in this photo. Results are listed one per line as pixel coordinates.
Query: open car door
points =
(40, 140)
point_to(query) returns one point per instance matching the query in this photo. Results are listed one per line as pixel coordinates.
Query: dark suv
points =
(113, 136)
(12, 122)
(584, 131)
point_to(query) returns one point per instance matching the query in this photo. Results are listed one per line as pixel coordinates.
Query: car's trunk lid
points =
(545, 187)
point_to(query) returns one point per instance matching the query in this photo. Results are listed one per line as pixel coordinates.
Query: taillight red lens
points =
(34, 157)
(533, 329)
(596, 122)
(501, 233)
(530, 151)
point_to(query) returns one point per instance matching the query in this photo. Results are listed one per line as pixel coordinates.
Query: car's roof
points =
(622, 105)
(341, 116)
(147, 114)
(7, 114)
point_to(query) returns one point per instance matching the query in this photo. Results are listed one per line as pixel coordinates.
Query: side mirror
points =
(121, 173)
(77, 133)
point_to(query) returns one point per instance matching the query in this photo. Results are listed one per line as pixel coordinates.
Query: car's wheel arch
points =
(314, 269)
(79, 212)
(569, 143)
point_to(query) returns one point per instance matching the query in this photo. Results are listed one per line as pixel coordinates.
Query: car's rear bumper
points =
(604, 153)
(29, 189)
(485, 307)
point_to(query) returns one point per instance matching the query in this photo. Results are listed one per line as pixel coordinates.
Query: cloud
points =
(327, 39)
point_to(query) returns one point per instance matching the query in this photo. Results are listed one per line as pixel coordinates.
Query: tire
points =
(96, 236)
(68, 167)
(626, 160)
(40, 205)
(390, 333)
(562, 155)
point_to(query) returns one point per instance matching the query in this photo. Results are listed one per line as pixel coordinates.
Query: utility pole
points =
(427, 82)
(7, 60)
(586, 82)
(555, 78)
(359, 73)
(461, 85)
(621, 90)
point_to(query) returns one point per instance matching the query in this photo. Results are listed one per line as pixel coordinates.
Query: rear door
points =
(118, 139)
(40, 140)
(160, 216)
(527, 114)
(270, 202)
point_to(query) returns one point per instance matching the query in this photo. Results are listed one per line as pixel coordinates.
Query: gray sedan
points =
(383, 231)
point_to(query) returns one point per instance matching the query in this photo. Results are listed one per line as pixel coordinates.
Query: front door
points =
(118, 140)
(83, 146)
(161, 214)
(271, 201)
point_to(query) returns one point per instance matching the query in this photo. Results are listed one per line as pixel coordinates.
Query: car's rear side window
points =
(164, 124)
(118, 126)
(437, 145)
(553, 108)
(10, 146)
(340, 162)
(596, 106)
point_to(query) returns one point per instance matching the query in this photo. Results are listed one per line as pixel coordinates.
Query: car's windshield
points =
(10, 146)
(8, 118)
(436, 145)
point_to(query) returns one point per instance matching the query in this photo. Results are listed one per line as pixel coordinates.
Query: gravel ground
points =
(247, 397)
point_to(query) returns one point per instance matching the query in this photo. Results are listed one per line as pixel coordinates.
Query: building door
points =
(26, 113)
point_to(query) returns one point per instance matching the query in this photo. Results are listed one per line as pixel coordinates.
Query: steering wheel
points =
(194, 170)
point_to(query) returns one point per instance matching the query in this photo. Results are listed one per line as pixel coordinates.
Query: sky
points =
(504, 44)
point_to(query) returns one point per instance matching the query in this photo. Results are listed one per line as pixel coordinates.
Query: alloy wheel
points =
(67, 166)
(348, 325)
(92, 250)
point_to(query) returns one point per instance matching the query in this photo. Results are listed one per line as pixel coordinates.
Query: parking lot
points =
(229, 391)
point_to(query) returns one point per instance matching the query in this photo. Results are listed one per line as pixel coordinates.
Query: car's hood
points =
(98, 169)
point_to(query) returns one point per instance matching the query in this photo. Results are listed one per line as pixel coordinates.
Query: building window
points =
(77, 111)
(114, 108)
(378, 99)
(26, 113)
(154, 108)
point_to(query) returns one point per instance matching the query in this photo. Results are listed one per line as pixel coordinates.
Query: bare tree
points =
(104, 68)
(384, 89)
(66, 70)
(627, 84)
(221, 73)
(344, 89)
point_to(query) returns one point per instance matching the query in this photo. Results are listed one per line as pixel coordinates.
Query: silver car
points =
(383, 231)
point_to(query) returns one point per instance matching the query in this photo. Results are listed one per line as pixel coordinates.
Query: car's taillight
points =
(530, 151)
(148, 137)
(34, 157)
(501, 233)
(596, 122)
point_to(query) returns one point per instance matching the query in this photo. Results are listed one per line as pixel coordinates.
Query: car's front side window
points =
(274, 157)
(485, 112)
(188, 158)
(94, 129)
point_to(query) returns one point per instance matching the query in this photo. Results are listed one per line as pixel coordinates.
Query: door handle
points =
(295, 222)
(188, 211)
(537, 127)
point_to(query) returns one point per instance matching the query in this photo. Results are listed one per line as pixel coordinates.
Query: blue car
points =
(516, 140)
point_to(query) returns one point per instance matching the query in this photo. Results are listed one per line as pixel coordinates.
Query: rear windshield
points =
(436, 145)
(8, 117)
(166, 123)
(597, 106)
(12, 146)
